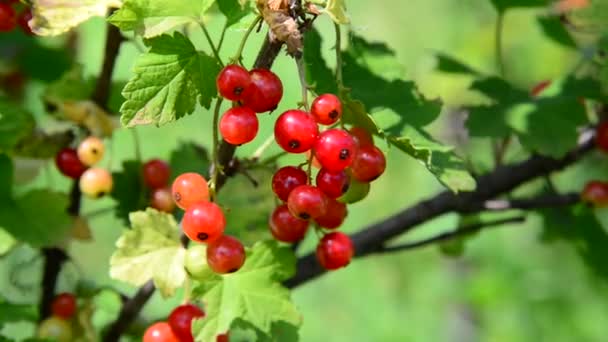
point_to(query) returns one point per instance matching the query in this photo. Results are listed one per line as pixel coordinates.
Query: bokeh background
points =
(506, 286)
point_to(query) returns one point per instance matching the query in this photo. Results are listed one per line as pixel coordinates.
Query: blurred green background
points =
(507, 286)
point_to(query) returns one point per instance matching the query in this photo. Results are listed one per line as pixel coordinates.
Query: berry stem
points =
(216, 170)
(309, 167)
(222, 35)
(187, 292)
(238, 56)
(303, 84)
(260, 150)
(136, 144)
(213, 48)
(338, 48)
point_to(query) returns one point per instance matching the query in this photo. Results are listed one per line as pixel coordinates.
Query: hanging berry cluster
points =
(156, 175)
(178, 327)
(596, 191)
(13, 14)
(58, 327)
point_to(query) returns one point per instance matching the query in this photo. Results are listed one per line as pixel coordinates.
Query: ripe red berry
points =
(333, 184)
(334, 215)
(239, 125)
(68, 163)
(232, 82)
(369, 164)
(601, 136)
(265, 91)
(286, 179)
(91, 150)
(156, 173)
(225, 255)
(96, 182)
(180, 321)
(361, 136)
(204, 222)
(162, 200)
(335, 250)
(64, 305)
(8, 17)
(23, 20)
(326, 109)
(307, 202)
(285, 227)
(596, 193)
(222, 338)
(335, 149)
(160, 332)
(296, 131)
(189, 188)
(539, 88)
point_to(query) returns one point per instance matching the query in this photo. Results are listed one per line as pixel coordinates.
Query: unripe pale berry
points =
(196, 262)
(204, 222)
(356, 192)
(225, 255)
(96, 182)
(91, 151)
(189, 188)
(55, 329)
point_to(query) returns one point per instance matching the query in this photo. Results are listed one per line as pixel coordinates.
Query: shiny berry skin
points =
(162, 200)
(335, 149)
(232, 82)
(239, 125)
(180, 321)
(356, 192)
(296, 131)
(285, 227)
(307, 202)
(265, 91)
(64, 305)
(596, 193)
(23, 19)
(334, 215)
(368, 165)
(91, 151)
(96, 182)
(8, 17)
(160, 332)
(601, 136)
(225, 255)
(68, 163)
(55, 329)
(222, 338)
(326, 109)
(204, 222)
(156, 173)
(286, 179)
(361, 136)
(335, 250)
(333, 184)
(189, 188)
(196, 262)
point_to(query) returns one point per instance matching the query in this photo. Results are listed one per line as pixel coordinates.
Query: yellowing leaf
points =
(151, 249)
(336, 9)
(54, 17)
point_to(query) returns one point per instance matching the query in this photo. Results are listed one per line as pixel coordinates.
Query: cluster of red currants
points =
(178, 328)
(58, 327)
(10, 18)
(595, 191)
(156, 175)
(94, 182)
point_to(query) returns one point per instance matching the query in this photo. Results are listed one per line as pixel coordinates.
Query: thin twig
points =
(211, 44)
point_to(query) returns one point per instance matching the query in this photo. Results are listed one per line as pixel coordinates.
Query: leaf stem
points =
(136, 144)
(498, 38)
(338, 48)
(221, 42)
(210, 41)
(265, 145)
(216, 170)
(303, 84)
(239, 53)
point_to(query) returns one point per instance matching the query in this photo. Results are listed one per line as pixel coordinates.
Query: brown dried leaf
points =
(283, 27)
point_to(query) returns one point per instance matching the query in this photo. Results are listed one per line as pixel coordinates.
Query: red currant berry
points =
(8, 18)
(68, 163)
(162, 200)
(333, 184)
(285, 227)
(265, 91)
(334, 216)
(90, 151)
(225, 255)
(307, 202)
(189, 188)
(369, 164)
(239, 125)
(232, 82)
(23, 20)
(335, 250)
(601, 136)
(335, 149)
(361, 136)
(286, 179)
(156, 173)
(204, 222)
(326, 109)
(180, 321)
(596, 193)
(160, 332)
(64, 305)
(539, 88)
(222, 338)
(296, 131)
(96, 182)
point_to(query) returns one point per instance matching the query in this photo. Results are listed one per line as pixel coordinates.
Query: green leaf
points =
(190, 157)
(503, 5)
(234, 10)
(151, 18)
(72, 86)
(7, 242)
(254, 293)
(10, 312)
(336, 9)
(451, 65)
(17, 219)
(151, 249)
(318, 74)
(6, 177)
(51, 18)
(243, 331)
(15, 124)
(168, 80)
(554, 29)
(128, 190)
